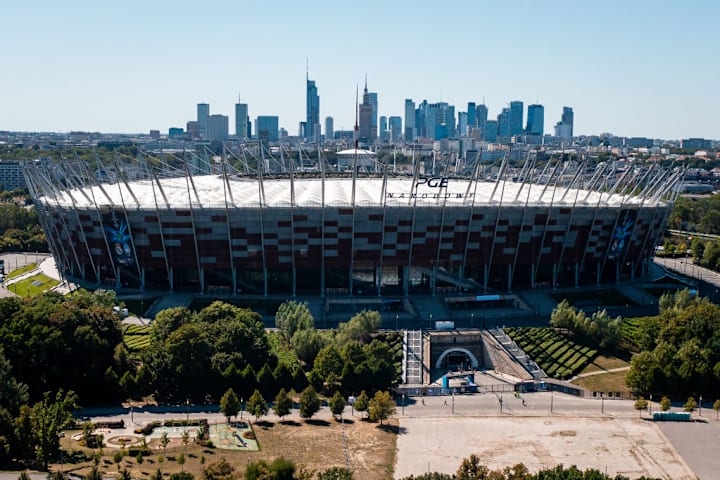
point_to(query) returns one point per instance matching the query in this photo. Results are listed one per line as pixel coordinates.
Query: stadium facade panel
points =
(322, 235)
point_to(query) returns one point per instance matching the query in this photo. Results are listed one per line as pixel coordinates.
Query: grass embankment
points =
(22, 270)
(558, 355)
(136, 337)
(31, 286)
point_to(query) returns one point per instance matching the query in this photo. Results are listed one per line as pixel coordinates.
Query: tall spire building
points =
(312, 103)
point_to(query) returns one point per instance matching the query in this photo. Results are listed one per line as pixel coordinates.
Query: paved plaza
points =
(436, 433)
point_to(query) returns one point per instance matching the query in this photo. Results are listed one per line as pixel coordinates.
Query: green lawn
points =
(31, 286)
(558, 355)
(19, 271)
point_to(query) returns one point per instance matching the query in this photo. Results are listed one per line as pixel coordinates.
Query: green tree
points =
(665, 404)
(309, 402)
(328, 367)
(362, 402)
(293, 316)
(640, 405)
(182, 476)
(381, 407)
(266, 381)
(643, 372)
(49, 417)
(257, 405)
(716, 407)
(283, 404)
(181, 461)
(307, 344)
(335, 473)
(93, 474)
(219, 470)
(164, 441)
(118, 458)
(690, 405)
(337, 404)
(359, 327)
(229, 404)
(472, 469)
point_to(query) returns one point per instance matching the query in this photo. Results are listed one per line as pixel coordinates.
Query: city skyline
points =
(630, 70)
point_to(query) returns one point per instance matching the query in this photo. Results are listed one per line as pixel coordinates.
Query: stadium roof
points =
(308, 192)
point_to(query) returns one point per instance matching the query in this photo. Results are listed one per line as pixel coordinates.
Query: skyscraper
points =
(491, 130)
(409, 120)
(481, 115)
(217, 128)
(503, 123)
(471, 121)
(395, 128)
(568, 118)
(535, 120)
(241, 120)
(266, 127)
(366, 130)
(312, 117)
(516, 117)
(203, 112)
(329, 129)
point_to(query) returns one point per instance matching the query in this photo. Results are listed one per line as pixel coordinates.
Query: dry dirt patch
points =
(630, 447)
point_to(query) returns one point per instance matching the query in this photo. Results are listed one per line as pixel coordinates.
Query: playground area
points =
(234, 436)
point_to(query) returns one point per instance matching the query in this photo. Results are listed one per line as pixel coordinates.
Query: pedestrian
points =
(445, 402)
(423, 402)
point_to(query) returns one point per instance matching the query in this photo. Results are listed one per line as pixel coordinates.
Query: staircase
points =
(517, 354)
(412, 365)
(430, 310)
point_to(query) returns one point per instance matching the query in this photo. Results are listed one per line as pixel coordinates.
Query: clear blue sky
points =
(632, 68)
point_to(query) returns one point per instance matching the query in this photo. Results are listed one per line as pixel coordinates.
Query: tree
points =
(716, 407)
(690, 405)
(181, 461)
(665, 404)
(337, 404)
(640, 405)
(283, 404)
(381, 406)
(309, 402)
(471, 469)
(328, 367)
(335, 473)
(229, 404)
(124, 474)
(164, 440)
(58, 475)
(257, 405)
(182, 476)
(49, 417)
(293, 316)
(219, 470)
(118, 458)
(643, 372)
(362, 402)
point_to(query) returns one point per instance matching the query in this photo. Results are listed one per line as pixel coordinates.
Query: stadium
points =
(221, 226)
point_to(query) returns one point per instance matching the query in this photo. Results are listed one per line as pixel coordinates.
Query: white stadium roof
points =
(308, 192)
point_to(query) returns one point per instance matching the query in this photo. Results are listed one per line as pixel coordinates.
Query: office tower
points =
(217, 128)
(366, 130)
(503, 123)
(267, 128)
(329, 130)
(383, 132)
(193, 130)
(409, 120)
(516, 117)
(175, 133)
(568, 118)
(535, 120)
(491, 131)
(241, 120)
(312, 117)
(203, 112)
(481, 113)
(373, 100)
(471, 112)
(563, 130)
(395, 124)
(462, 123)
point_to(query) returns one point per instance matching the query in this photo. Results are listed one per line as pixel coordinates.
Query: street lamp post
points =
(602, 404)
(396, 321)
(700, 406)
(551, 401)
(453, 402)
(472, 320)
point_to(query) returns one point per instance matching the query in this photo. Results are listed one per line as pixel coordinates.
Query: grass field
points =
(606, 382)
(316, 445)
(19, 271)
(556, 354)
(31, 286)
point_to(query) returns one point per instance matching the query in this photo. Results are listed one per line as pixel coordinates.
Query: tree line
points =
(679, 348)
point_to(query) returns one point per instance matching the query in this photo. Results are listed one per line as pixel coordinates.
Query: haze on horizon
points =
(636, 68)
